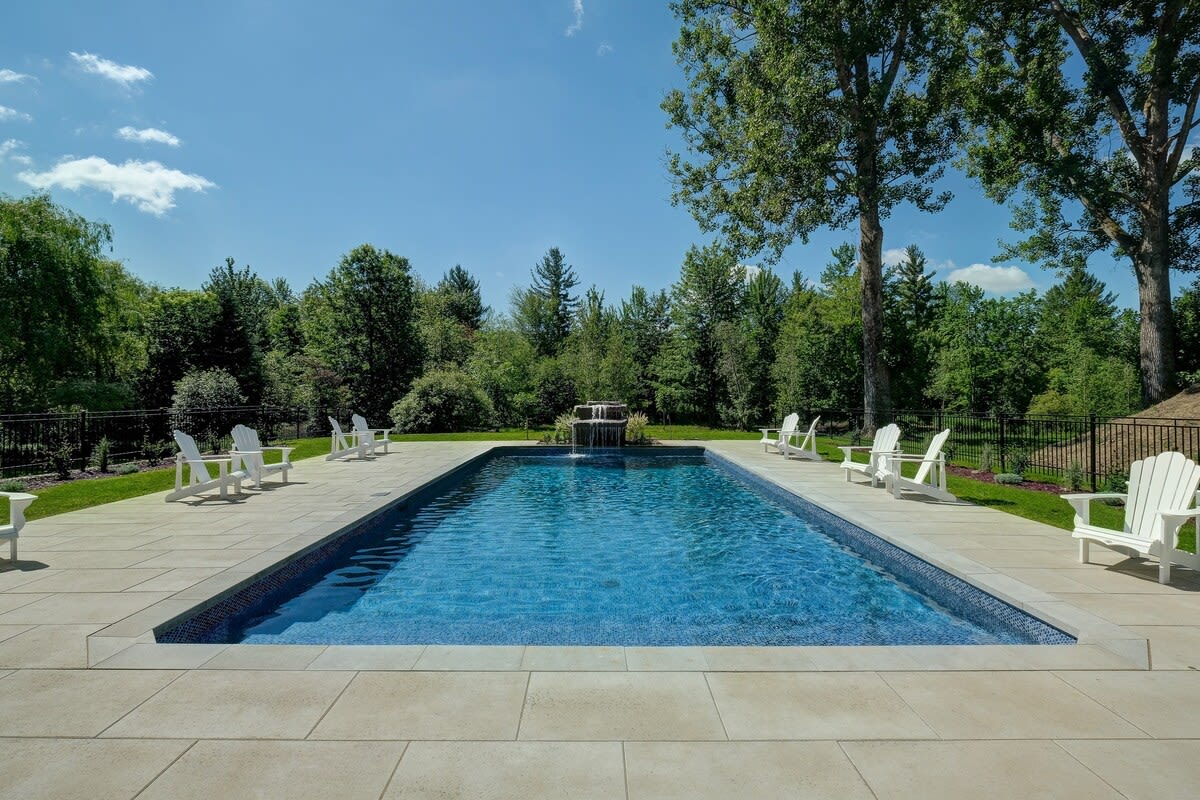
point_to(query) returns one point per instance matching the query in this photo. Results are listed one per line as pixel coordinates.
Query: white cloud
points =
(577, 6)
(751, 271)
(8, 145)
(145, 135)
(999, 280)
(893, 256)
(8, 76)
(7, 114)
(604, 49)
(124, 74)
(148, 185)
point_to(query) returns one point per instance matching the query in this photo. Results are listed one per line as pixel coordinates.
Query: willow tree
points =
(1090, 106)
(801, 115)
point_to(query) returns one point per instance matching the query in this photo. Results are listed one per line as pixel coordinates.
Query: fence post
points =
(1000, 445)
(83, 437)
(1092, 447)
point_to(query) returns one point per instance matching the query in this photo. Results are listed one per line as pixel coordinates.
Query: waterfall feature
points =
(599, 423)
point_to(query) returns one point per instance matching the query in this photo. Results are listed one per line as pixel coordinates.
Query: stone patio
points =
(91, 707)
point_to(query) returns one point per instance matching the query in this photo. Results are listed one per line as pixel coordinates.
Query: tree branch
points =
(1086, 46)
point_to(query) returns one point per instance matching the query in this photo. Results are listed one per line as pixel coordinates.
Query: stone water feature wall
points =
(599, 423)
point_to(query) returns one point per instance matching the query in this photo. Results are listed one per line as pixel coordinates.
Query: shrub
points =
(12, 486)
(442, 401)
(61, 455)
(1009, 478)
(562, 426)
(100, 454)
(1018, 462)
(1116, 482)
(985, 458)
(1073, 477)
(205, 389)
(635, 428)
(127, 469)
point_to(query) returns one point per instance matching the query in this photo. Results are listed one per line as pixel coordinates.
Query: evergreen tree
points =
(644, 324)
(708, 293)
(545, 310)
(463, 302)
(244, 303)
(911, 336)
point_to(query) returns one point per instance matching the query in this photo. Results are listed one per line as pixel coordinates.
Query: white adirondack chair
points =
(200, 480)
(1161, 489)
(886, 440)
(361, 426)
(807, 448)
(248, 449)
(340, 444)
(931, 474)
(17, 503)
(776, 437)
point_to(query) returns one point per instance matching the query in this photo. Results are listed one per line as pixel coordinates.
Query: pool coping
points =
(130, 643)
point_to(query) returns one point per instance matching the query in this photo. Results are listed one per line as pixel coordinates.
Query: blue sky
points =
(285, 133)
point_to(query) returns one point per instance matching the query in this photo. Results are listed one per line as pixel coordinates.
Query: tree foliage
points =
(1089, 108)
(441, 401)
(54, 292)
(807, 114)
(361, 322)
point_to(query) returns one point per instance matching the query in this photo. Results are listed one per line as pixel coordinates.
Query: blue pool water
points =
(606, 550)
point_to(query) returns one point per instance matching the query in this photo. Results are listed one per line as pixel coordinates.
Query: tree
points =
(179, 329)
(813, 368)
(708, 293)
(360, 321)
(643, 323)
(990, 358)
(545, 310)
(761, 318)
(463, 303)
(244, 305)
(51, 296)
(1094, 102)
(589, 346)
(912, 308)
(808, 114)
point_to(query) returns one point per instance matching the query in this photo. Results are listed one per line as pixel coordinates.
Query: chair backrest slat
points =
(935, 447)
(187, 446)
(1167, 480)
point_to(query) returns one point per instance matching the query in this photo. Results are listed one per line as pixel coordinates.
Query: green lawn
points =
(1039, 506)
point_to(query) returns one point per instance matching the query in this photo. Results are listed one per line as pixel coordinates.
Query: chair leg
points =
(1083, 551)
(1164, 570)
(12, 549)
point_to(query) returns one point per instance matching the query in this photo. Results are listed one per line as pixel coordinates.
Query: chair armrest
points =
(281, 449)
(17, 501)
(1082, 503)
(1070, 498)
(237, 452)
(1178, 513)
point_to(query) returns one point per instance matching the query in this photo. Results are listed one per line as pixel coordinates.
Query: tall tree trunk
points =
(1156, 337)
(876, 394)
(1152, 261)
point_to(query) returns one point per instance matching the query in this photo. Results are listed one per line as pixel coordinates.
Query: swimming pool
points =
(622, 548)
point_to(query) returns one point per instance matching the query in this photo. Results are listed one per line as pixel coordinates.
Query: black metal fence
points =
(1090, 447)
(38, 443)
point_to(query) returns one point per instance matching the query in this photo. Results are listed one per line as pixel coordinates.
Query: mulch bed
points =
(49, 479)
(988, 477)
